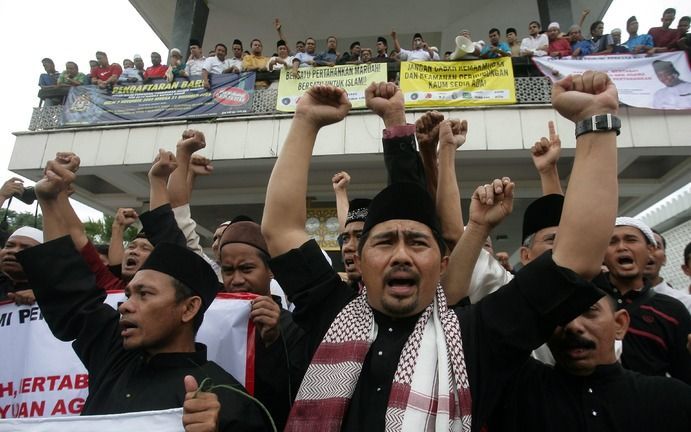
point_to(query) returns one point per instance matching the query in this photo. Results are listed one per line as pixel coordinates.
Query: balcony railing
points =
(531, 88)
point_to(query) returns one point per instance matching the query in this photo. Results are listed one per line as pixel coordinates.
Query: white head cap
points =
(29, 232)
(553, 24)
(637, 223)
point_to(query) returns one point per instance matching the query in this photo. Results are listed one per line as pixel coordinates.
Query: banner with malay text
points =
(463, 83)
(150, 421)
(229, 94)
(41, 376)
(353, 78)
(661, 81)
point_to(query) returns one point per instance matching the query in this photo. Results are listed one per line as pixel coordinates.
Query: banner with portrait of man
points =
(661, 81)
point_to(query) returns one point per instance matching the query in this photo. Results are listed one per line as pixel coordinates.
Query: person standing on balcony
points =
(156, 70)
(195, 63)
(558, 46)
(49, 80)
(420, 51)
(71, 76)
(219, 64)
(255, 62)
(104, 74)
(130, 74)
(535, 44)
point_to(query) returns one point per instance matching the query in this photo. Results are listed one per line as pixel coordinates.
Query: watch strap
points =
(598, 123)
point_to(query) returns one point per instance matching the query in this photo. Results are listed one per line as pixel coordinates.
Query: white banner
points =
(41, 376)
(149, 421)
(639, 83)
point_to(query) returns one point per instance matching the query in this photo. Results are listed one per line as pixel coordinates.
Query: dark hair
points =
(685, 19)
(237, 42)
(382, 39)
(183, 292)
(280, 43)
(308, 38)
(535, 22)
(47, 60)
(101, 53)
(664, 241)
(332, 37)
(195, 42)
(222, 45)
(255, 39)
(511, 30)
(300, 42)
(687, 254)
(354, 44)
(669, 11)
(594, 25)
(493, 30)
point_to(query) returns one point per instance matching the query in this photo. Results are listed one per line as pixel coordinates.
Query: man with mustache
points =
(387, 356)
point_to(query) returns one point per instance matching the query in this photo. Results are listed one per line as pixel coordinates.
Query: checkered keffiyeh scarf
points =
(430, 390)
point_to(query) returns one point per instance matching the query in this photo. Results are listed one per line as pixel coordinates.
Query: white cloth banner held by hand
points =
(149, 421)
(41, 376)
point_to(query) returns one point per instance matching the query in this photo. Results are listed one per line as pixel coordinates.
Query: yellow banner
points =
(464, 83)
(352, 78)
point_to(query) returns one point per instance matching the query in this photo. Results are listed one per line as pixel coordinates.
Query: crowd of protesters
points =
(427, 329)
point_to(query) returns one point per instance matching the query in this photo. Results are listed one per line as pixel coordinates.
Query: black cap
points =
(407, 201)
(542, 213)
(186, 267)
(382, 39)
(417, 35)
(195, 42)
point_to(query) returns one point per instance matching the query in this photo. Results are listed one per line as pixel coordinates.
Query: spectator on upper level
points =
(579, 46)
(495, 48)
(130, 74)
(366, 55)
(219, 64)
(255, 61)
(420, 50)
(330, 55)
(512, 42)
(616, 38)
(306, 58)
(92, 64)
(156, 70)
(479, 45)
(382, 50)
(176, 67)
(535, 44)
(299, 47)
(601, 43)
(105, 74)
(238, 52)
(558, 46)
(195, 63)
(352, 56)
(71, 76)
(664, 36)
(283, 59)
(139, 64)
(50, 77)
(683, 26)
(637, 43)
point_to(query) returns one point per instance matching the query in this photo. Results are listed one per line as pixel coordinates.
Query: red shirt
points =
(663, 37)
(561, 46)
(156, 71)
(103, 73)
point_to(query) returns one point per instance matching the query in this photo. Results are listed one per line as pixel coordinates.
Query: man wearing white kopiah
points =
(393, 356)
(677, 93)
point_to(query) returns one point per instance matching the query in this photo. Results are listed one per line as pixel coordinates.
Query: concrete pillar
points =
(189, 23)
(556, 10)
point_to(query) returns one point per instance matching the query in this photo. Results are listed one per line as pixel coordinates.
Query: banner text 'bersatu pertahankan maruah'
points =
(464, 83)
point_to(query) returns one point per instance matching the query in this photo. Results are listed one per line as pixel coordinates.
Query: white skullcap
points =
(175, 51)
(29, 232)
(637, 223)
(553, 24)
(616, 30)
(137, 56)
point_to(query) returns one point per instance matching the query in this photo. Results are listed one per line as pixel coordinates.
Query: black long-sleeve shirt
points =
(498, 333)
(121, 380)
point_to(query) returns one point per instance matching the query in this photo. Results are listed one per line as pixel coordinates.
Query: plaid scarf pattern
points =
(430, 389)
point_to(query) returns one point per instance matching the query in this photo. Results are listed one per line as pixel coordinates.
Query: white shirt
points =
(417, 55)
(279, 66)
(530, 45)
(214, 66)
(303, 57)
(664, 288)
(195, 66)
(677, 97)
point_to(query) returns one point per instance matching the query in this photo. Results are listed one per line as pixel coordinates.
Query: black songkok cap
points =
(542, 213)
(417, 35)
(186, 267)
(195, 42)
(357, 210)
(249, 233)
(382, 39)
(407, 201)
(631, 19)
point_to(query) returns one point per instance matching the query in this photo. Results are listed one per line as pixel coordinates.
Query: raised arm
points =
(178, 187)
(452, 135)
(164, 164)
(396, 43)
(13, 186)
(590, 204)
(584, 14)
(340, 182)
(285, 211)
(545, 155)
(427, 134)
(123, 219)
(489, 205)
(279, 29)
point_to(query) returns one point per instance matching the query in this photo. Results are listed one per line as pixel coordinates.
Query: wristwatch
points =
(598, 123)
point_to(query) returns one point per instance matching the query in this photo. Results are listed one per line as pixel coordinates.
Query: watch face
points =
(312, 225)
